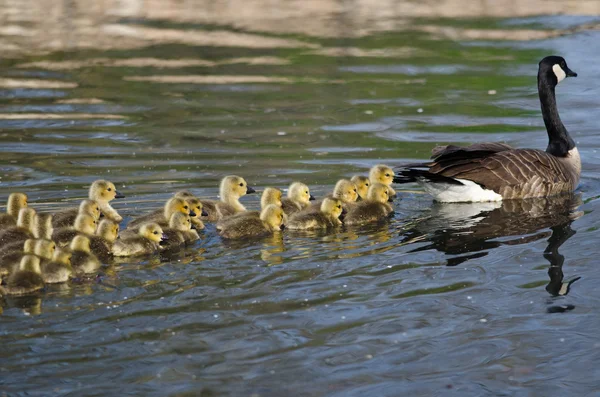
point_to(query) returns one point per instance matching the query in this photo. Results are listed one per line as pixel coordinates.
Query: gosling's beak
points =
(194, 227)
(192, 213)
(163, 239)
(119, 195)
(204, 213)
(570, 73)
(282, 227)
(250, 190)
(391, 199)
(344, 212)
(311, 198)
(359, 198)
(102, 215)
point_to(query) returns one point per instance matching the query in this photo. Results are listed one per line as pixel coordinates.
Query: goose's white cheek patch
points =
(559, 72)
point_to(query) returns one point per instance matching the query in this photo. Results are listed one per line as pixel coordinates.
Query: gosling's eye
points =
(241, 184)
(387, 174)
(354, 190)
(155, 232)
(185, 207)
(366, 184)
(339, 206)
(109, 189)
(306, 192)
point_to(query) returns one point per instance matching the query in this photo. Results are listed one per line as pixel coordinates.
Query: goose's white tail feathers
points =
(468, 192)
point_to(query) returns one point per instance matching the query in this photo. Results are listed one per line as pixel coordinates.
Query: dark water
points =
(466, 299)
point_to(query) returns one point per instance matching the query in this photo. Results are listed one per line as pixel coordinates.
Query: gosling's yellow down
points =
(10, 259)
(26, 280)
(66, 218)
(383, 174)
(103, 192)
(162, 216)
(179, 231)
(102, 241)
(146, 242)
(298, 198)
(16, 202)
(327, 216)
(22, 231)
(42, 227)
(231, 189)
(344, 190)
(85, 225)
(270, 196)
(59, 269)
(362, 185)
(83, 261)
(270, 221)
(375, 208)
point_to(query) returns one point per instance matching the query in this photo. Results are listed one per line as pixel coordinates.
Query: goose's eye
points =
(155, 232)
(241, 184)
(185, 207)
(339, 206)
(387, 174)
(306, 192)
(354, 190)
(109, 189)
(366, 184)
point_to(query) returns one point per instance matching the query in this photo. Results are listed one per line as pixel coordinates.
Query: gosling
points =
(16, 202)
(103, 192)
(26, 280)
(383, 174)
(179, 231)
(102, 241)
(231, 189)
(270, 195)
(146, 242)
(22, 231)
(59, 269)
(66, 218)
(85, 225)
(327, 216)
(362, 186)
(83, 261)
(42, 227)
(298, 198)
(270, 221)
(162, 216)
(374, 209)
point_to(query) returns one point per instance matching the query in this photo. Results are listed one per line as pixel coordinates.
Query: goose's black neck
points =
(560, 142)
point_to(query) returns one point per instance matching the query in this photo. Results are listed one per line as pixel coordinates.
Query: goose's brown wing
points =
(517, 173)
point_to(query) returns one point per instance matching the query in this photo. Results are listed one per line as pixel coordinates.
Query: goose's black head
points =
(553, 69)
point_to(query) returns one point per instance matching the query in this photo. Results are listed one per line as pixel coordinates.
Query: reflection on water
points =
(160, 96)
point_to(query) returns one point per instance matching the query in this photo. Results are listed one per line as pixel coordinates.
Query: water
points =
(466, 299)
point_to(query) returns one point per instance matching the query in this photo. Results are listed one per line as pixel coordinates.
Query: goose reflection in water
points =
(469, 231)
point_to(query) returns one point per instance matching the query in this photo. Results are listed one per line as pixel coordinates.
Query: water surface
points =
(464, 299)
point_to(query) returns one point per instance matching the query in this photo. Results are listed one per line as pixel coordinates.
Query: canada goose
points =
(26, 279)
(344, 190)
(83, 260)
(374, 208)
(22, 231)
(42, 227)
(102, 241)
(383, 174)
(59, 269)
(16, 201)
(495, 171)
(84, 225)
(362, 185)
(43, 248)
(147, 241)
(270, 221)
(232, 187)
(103, 192)
(11, 258)
(269, 196)
(327, 216)
(298, 198)
(162, 216)
(179, 231)
(66, 218)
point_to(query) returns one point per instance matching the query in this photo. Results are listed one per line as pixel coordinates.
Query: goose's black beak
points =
(311, 198)
(250, 190)
(282, 227)
(570, 73)
(390, 200)
(204, 213)
(192, 213)
(119, 195)
(163, 239)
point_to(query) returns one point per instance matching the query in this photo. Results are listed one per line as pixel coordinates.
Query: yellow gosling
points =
(84, 225)
(298, 198)
(101, 243)
(375, 208)
(22, 231)
(66, 218)
(16, 202)
(383, 174)
(10, 259)
(270, 221)
(26, 279)
(362, 185)
(84, 262)
(42, 227)
(146, 242)
(59, 269)
(162, 216)
(179, 231)
(103, 192)
(327, 216)
(231, 189)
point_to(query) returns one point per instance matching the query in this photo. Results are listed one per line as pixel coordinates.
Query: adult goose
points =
(496, 171)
